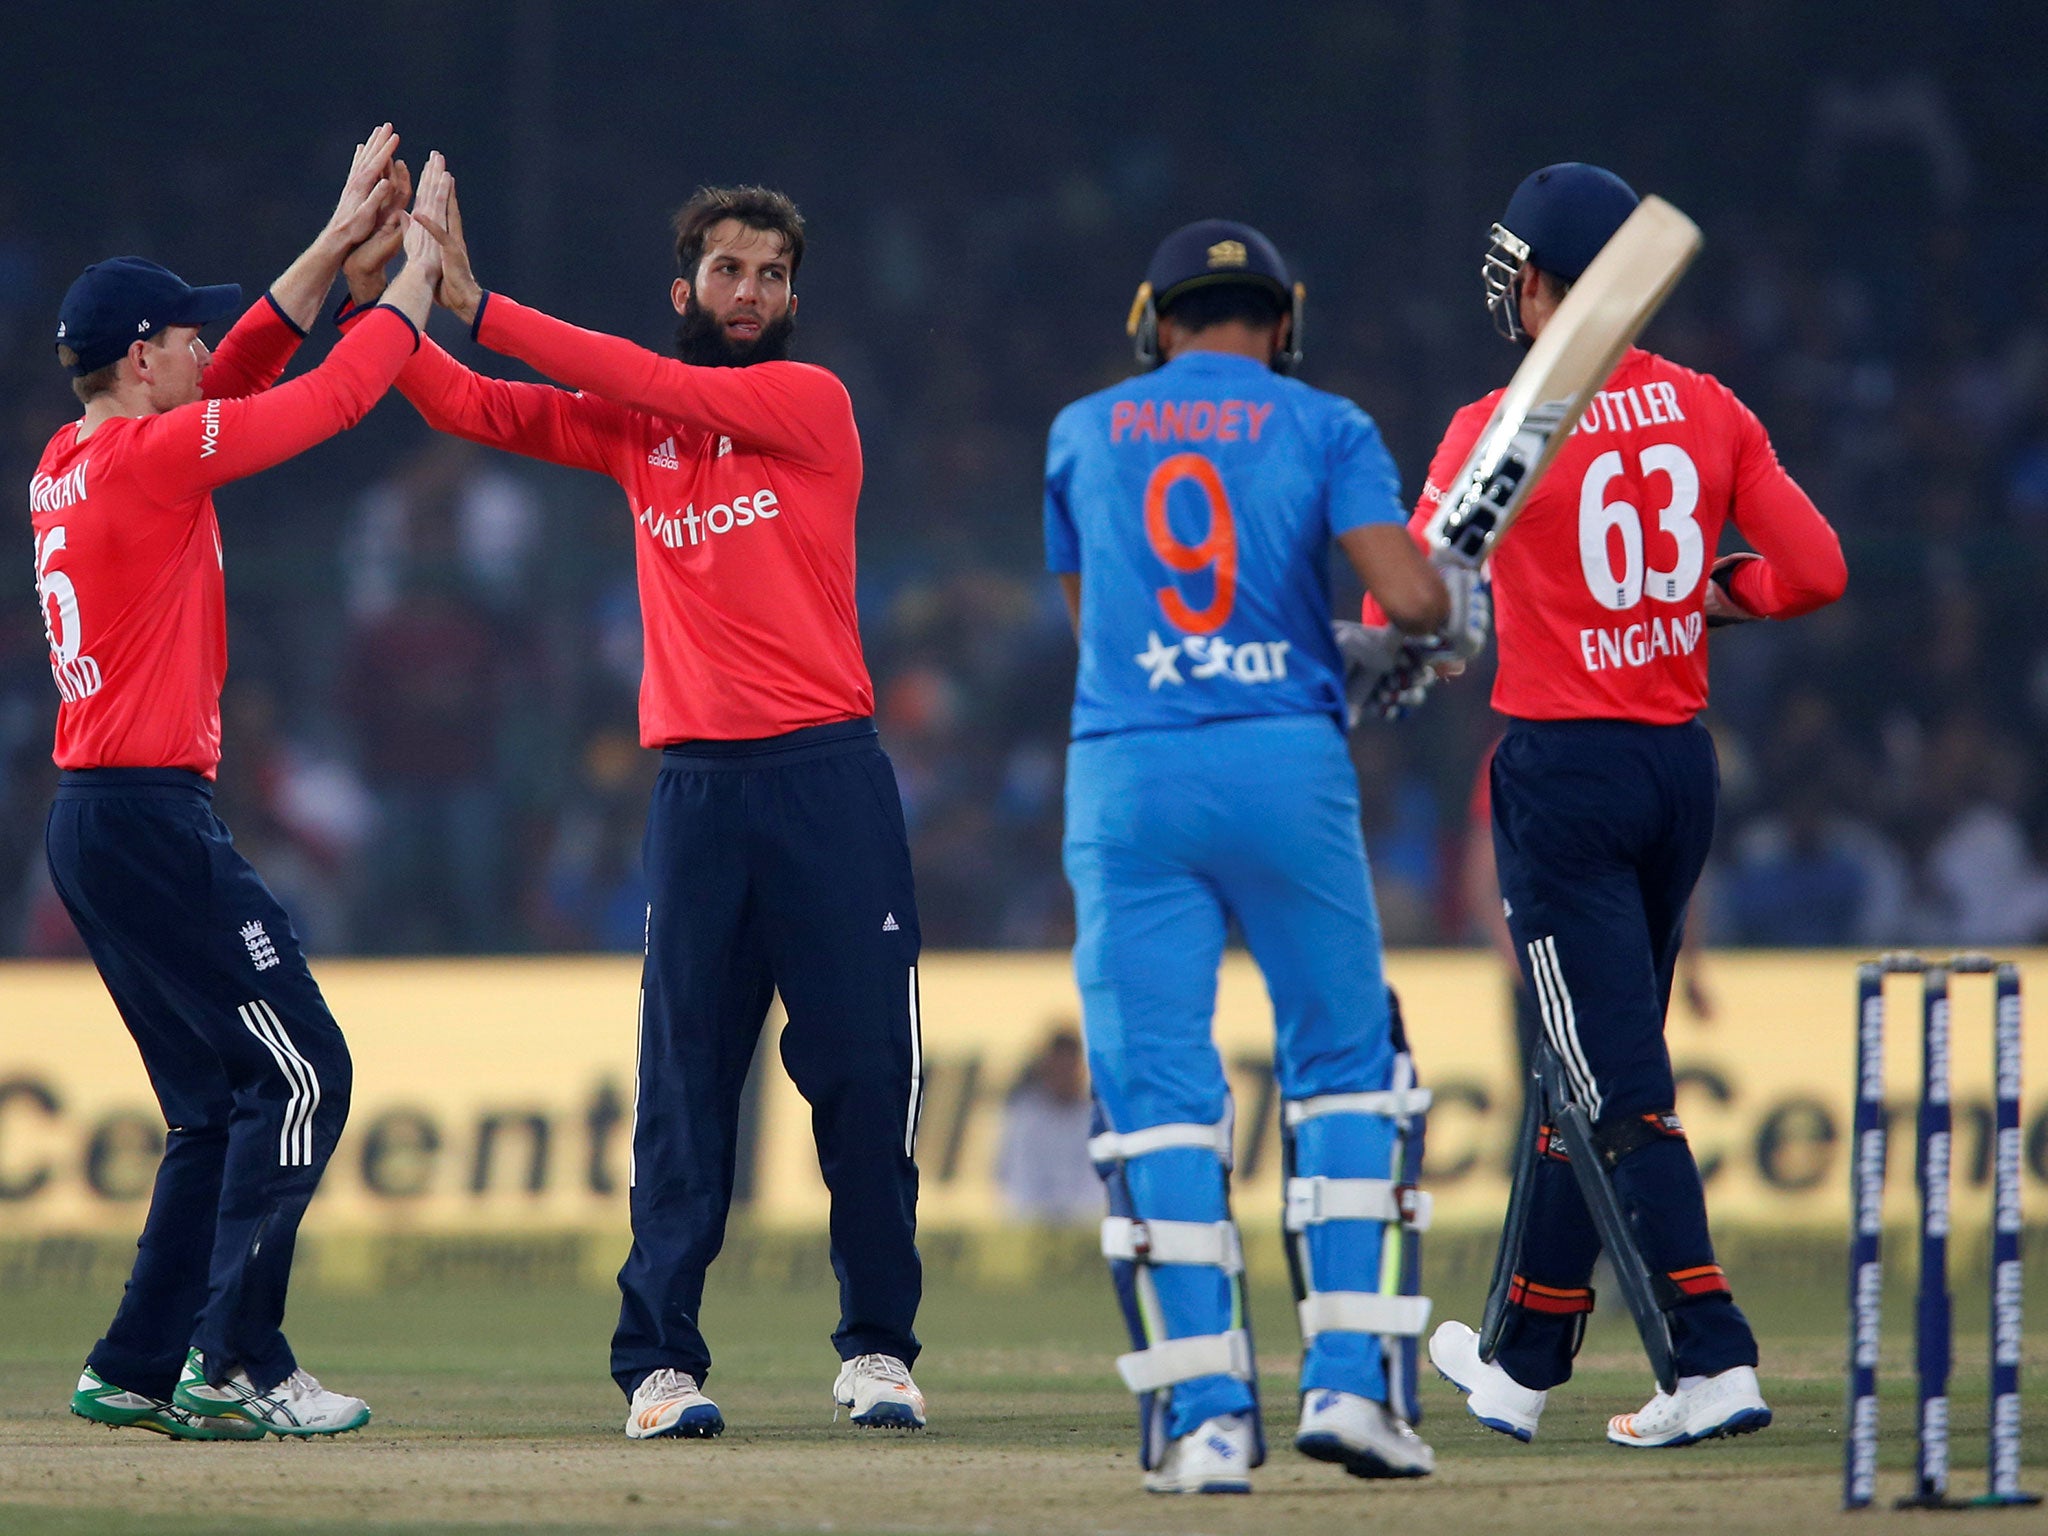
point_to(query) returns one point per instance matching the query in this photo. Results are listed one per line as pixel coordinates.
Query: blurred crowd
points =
(430, 737)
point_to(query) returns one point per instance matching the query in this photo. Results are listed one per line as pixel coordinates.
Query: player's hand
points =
(356, 215)
(1464, 631)
(459, 291)
(1721, 606)
(424, 251)
(364, 267)
(1376, 663)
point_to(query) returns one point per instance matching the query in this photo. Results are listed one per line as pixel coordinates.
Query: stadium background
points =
(430, 738)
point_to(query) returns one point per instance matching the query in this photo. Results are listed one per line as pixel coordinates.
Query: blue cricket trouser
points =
(775, 865)
(248, 1066)
(1600, 830)
(1171, 834)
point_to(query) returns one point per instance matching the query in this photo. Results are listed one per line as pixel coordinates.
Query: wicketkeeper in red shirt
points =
(776, 853)
(246, 1061)
(1603, 792)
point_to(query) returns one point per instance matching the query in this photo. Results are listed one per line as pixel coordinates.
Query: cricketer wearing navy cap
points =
(1556, 222)
(1189, 514)
(123, 300)
(1205, 253)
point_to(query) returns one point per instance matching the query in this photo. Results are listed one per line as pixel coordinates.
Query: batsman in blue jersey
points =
(1188, 514)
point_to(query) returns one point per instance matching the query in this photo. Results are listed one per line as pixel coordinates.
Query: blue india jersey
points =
(1198, 502)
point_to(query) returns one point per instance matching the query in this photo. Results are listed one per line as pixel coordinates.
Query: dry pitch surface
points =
(493, 1414)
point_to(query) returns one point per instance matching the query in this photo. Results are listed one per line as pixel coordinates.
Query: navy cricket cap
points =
(1565, 213)
(126, 299)
(1216, 251)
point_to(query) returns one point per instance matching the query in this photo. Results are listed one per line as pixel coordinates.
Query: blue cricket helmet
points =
(1557, 221)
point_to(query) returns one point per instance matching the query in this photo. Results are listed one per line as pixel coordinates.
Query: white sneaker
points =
(298, 1405)
(880, 1392)
(1366, 1438)
(1215, 1458)
(1703, 1408)
(668, 1406)
(1492, 1396)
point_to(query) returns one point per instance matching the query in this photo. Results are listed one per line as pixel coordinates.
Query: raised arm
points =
(252, 356)
(793, 410)
(208, 443)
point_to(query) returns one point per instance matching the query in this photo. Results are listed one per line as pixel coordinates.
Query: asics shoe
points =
(880, 1392)
(1703, 1408)
(103, 1403)
(1364, 1437)
(298, 1406)
(1492, 1396)
(668, 1406)
(1214, 1458)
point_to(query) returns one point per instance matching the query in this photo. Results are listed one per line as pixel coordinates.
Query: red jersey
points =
(742, 483)
(1598, 587)
(128, 552)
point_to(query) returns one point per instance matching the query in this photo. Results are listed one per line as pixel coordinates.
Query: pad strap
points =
(1176, 1360)
(1122, 1146)
(1616, 1139)
(1312, 1201)
(1363, 1312)
(1213, 1243)
(1390, 1102)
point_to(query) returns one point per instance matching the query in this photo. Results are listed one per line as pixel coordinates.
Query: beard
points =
(702, 342)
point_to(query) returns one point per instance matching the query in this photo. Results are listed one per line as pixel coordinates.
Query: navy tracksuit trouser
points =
(247, 1063)
(1600, 830)
(775, 865)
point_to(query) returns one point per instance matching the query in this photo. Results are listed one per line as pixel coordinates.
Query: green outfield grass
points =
(494, 1413)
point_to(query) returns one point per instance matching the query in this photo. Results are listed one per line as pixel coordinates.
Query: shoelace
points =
(668, 1383)
(883, 1368)
(302, 1384)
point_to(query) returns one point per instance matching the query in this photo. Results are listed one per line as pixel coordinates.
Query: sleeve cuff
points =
(278, 310)
(402, 315)
(348, 311)
(476, 326)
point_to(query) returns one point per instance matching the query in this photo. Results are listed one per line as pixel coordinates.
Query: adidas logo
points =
(664, 456)
(890, 925)
(724, 447)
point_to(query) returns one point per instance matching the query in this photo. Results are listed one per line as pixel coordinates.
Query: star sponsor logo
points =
(1250, 662)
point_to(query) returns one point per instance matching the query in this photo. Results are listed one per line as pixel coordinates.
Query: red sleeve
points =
(1459, 437)
(1802, 567)
(253, 354)
(538, 420)
(197, 447)
(791, 410)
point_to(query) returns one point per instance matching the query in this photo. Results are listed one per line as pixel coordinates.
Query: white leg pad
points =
(1313, 1201)
(1363, 1312)
(1176, 1360)
(1122, 1146)
(1393, 1103)
(1213, 1243)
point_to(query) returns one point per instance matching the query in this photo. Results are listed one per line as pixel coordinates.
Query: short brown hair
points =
(90, 386)
(760, 208)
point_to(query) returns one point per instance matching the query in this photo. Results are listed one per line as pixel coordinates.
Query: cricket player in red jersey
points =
(246, 1061)
(1603, 793)
(776, 853)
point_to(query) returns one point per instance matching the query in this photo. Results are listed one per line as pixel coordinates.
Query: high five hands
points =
(434, 211)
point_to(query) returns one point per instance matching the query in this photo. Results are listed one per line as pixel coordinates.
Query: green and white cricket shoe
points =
(104, 1403)
(297, 1406)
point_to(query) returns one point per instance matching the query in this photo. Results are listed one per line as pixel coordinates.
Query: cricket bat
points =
(1577, 350)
